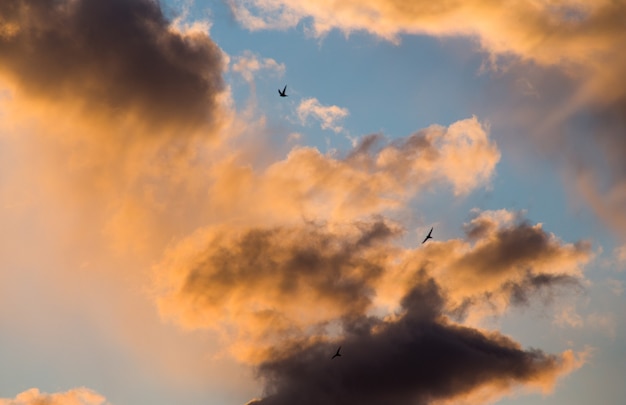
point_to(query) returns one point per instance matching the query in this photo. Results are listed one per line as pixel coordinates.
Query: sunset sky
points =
(174, 232)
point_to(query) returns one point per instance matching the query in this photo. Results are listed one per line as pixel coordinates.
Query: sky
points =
(175, 232)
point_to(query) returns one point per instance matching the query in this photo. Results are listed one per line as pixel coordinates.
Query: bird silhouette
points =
(428, 236)
(336, 354)
(282, 93)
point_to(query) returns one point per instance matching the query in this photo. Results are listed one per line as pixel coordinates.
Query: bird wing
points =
(285, 89)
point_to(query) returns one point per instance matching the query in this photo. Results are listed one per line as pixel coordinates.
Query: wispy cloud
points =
(248, 64)
(328, 116)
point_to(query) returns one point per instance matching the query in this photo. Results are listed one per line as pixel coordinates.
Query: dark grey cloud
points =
(114, 56)
(514, 247)
(415, 359)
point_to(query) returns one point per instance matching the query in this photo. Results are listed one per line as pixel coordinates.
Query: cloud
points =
(77, 396)
(249, 63)
(259, 282)
(620, 257)
(284, 256)
(570, 33)
(255, 284)
(145, 70)
(579, 42)
(418, 358)
(377, 175)
(503, 261)
(328, 116)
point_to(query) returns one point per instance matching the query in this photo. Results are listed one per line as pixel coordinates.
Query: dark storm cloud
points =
(415, 359)
(115, 56)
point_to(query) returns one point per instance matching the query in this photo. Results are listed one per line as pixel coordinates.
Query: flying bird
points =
(428, 236)
(282, 93)
(336, 354)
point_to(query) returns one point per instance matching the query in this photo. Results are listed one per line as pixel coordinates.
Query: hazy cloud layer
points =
(120, 59)
(77, 396)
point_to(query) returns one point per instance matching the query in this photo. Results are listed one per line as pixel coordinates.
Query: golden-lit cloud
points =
(376, 175)
(287, 254)
(572, 33)
(582, 40)
(418, 358)
(255, 284)
(77, 396)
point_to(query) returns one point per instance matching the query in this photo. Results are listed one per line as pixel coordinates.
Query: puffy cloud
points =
(326, 115)
(145, 70)
(255, 284)
(502, 261)
(259, 282)
(580, 39)
(419, 358)
(77, 396)
(375, 176)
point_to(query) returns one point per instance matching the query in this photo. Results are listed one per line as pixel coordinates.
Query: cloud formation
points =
(582, 40)
(255, 284)
(418, 358)
(249, 63)
(574, 32)
(375, 176)
(270, 239)
(145, 70)
(77, 396)
(328, 116)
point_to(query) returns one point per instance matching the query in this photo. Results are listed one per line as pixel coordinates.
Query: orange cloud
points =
(580, 39)
(571, 33)
(373, 177)
(77, 396)
(255, 284)
(503, 261)
(420, 358)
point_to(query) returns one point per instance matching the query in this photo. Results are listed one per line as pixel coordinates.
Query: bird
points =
(336, 354)
(428, 236)
(282, 93)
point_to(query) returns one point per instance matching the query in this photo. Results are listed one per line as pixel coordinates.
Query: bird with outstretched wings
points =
(429, 236)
